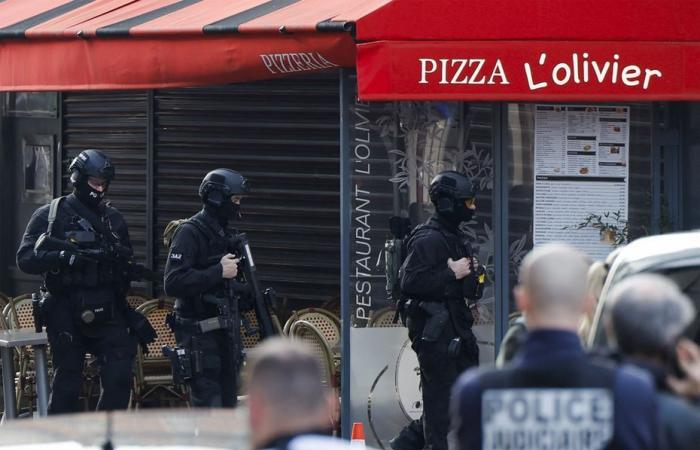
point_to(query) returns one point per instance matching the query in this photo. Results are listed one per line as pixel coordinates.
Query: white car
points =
(675, 255)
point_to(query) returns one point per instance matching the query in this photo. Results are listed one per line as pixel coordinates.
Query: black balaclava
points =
(86, 194)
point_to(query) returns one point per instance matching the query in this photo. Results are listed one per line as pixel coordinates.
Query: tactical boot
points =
(410, 438)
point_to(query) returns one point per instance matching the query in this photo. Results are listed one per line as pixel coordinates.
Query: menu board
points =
(581, 168)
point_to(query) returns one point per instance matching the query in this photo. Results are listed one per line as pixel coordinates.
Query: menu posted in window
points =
(581, 168)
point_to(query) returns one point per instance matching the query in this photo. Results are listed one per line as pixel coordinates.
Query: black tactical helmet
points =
(90, 163)
(217, 188)
(221, 184)
(448, 190)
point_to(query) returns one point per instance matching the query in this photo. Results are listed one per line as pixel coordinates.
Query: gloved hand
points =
(141, 328)
(72, 260)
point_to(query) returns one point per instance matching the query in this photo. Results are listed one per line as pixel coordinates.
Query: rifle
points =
(264, 301)
(229, 319)
(114, 254)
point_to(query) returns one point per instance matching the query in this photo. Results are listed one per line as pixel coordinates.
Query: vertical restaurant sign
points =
(367, 277)
(581, 170)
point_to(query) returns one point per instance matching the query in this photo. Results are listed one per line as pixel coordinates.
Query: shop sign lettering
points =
(277, 63)
(579, 69)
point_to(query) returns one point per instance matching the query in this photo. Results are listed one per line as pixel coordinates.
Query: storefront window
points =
(31, 104)
(391, 181)
(37, 157)
(600, 157)
(395, 150)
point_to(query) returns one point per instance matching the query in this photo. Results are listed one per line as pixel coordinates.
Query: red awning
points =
(59, 45)
(533, 50)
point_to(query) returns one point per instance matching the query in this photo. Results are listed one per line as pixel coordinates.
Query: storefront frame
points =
(666, 179)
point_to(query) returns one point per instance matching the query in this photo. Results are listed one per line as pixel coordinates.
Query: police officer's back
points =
(199, 272)
(438, 279)
(85, 307)
(552, 394)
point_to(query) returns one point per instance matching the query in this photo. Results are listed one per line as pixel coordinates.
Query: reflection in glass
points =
(519, 141)
(408, 144)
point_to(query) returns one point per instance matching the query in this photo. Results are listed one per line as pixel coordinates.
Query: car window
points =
(688, 280)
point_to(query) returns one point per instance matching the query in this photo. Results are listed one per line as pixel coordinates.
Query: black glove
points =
(72, 260)
(141, 328)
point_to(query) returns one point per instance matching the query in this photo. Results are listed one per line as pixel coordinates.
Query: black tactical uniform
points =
(193, 274)
(437, 314)
(85, 309)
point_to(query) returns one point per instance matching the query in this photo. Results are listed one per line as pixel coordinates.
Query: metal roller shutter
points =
(283, 135)
(114, 122)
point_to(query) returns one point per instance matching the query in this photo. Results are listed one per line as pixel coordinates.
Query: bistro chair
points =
(135, 300)
(4, 301)
(152, 371)
(250, 341)
(327, 323)
(383, 318)
(309, 334)
(17, 314)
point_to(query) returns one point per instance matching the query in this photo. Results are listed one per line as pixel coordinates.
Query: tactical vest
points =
(93, 288)
(216, 245)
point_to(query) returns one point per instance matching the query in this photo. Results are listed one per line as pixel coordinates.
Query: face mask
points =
(88, 195)
(230, 211)
(465, 214)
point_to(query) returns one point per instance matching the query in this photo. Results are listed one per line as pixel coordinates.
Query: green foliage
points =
(612, 227)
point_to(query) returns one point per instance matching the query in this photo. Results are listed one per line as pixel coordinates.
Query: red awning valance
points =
(514, 50)
(130, 44)
(528, 71)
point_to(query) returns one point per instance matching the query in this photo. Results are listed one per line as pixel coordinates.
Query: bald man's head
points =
(553, 284)
(285, 391)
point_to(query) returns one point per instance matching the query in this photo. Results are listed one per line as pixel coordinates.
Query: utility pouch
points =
(437, 318)
(38, 311)
(94, 307)
(186, 361)
(181, 362)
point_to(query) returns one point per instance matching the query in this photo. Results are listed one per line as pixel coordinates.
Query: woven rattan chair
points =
(18, 313)
(134, 300)
(309, 334)
(153, 372)
(383, 318)
(325, 321)
(252, 340)
(4, 301)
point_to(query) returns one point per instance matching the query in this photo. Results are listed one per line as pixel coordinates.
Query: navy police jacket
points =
(552, 395)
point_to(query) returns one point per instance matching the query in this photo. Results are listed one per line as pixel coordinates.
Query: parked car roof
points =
(660, 253)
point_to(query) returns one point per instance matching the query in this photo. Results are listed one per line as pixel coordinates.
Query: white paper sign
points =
(551, 419)
(581, 168)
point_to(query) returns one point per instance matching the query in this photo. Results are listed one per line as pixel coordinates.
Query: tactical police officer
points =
(201, 272)
(81, 246)
(439, 280)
